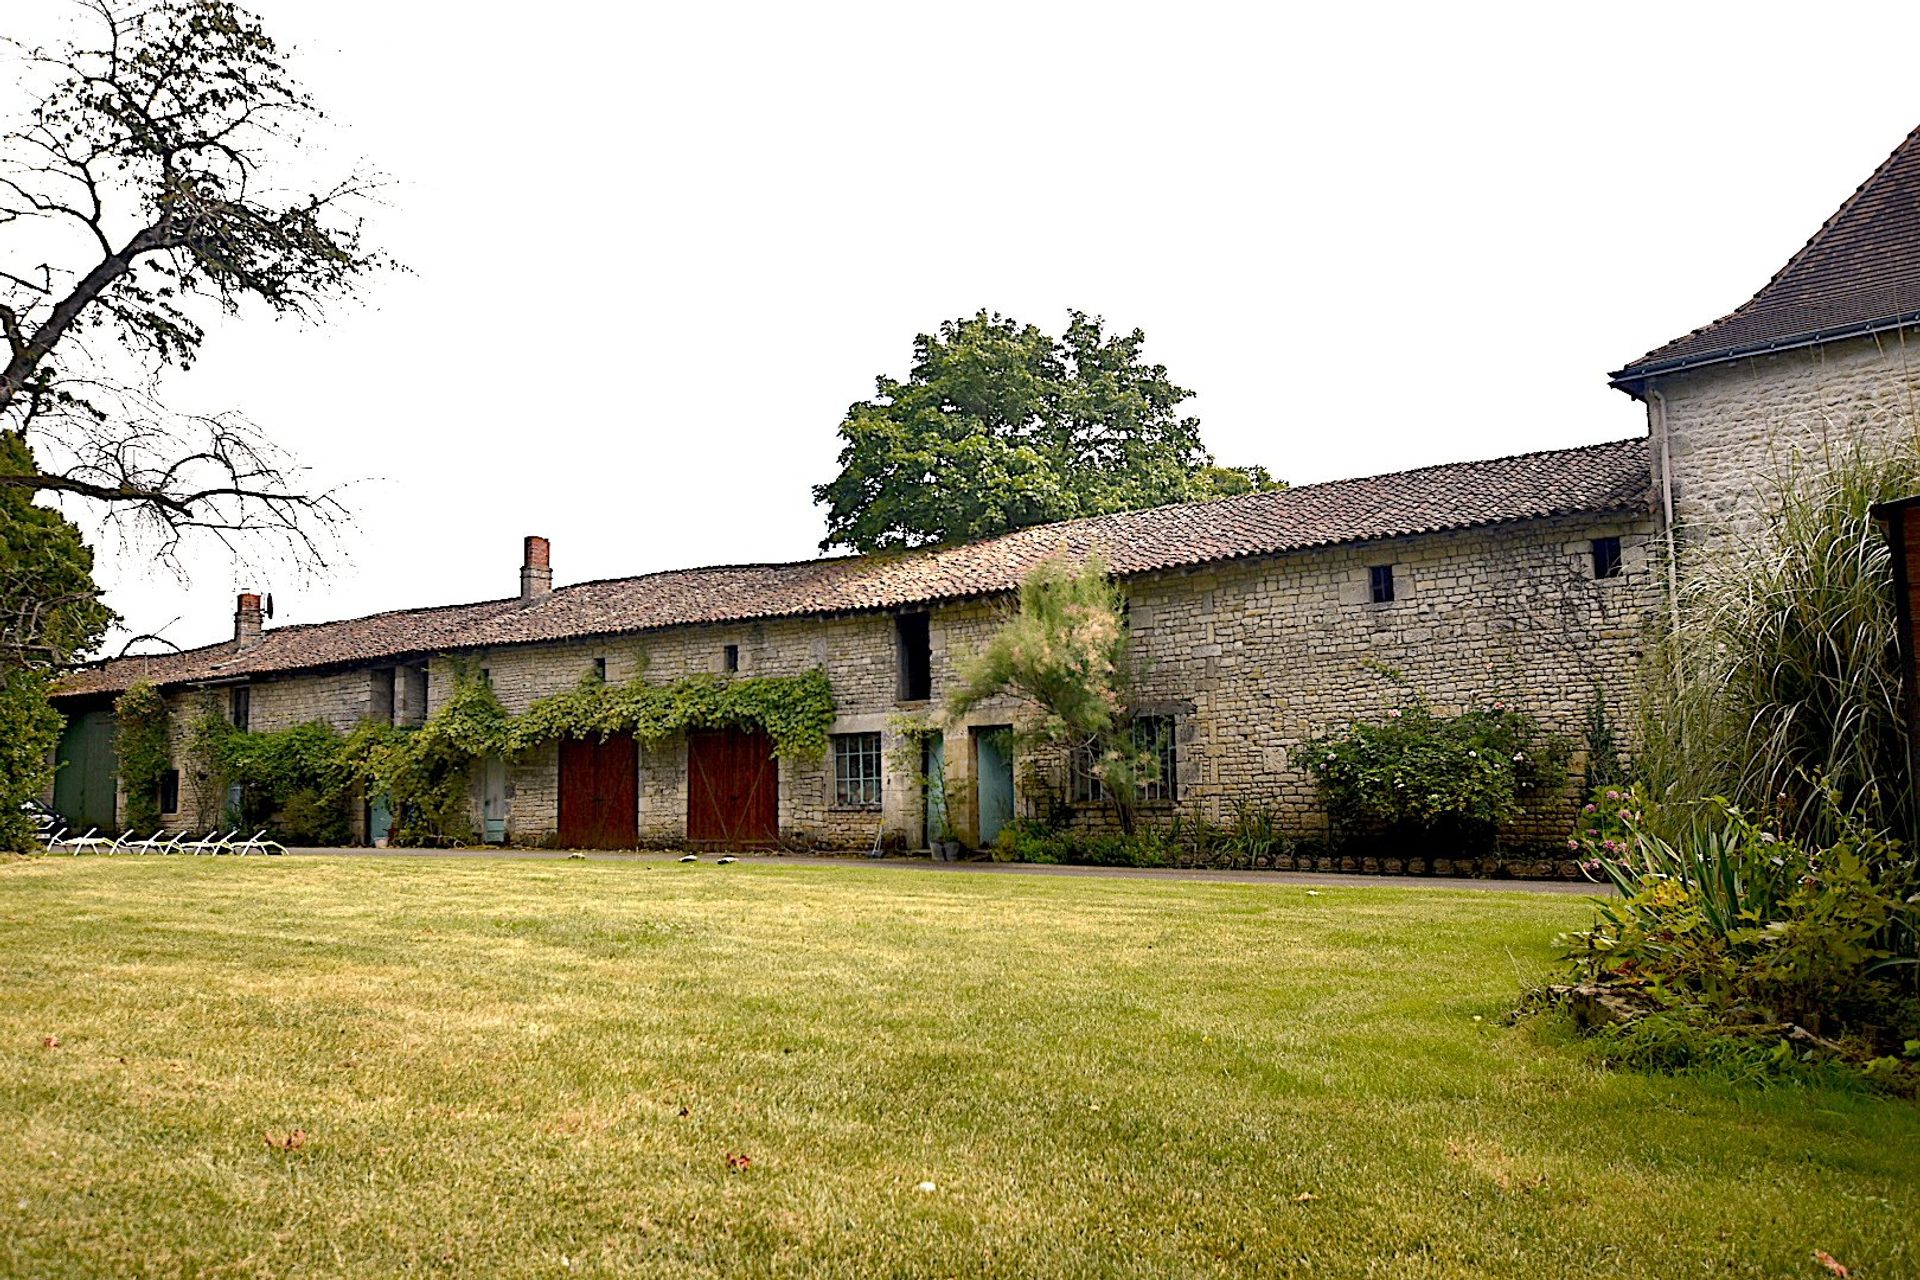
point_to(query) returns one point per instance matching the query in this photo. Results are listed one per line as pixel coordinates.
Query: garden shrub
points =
(29, 733)
(292, 782)
(1786, 950)
(1420, 780)
(1033, 840)
(1783, 679)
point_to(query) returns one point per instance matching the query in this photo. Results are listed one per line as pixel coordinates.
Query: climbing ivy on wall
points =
(142, 747)
(795, 711)
(426, 773)
(300, 782)
(293, 782)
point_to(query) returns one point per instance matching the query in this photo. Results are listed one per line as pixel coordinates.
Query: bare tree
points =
(139, 195)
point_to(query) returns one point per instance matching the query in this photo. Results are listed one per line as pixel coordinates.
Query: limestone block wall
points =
(1272, 654)
(858, 652)
(341, 699)
(1252, 659)
(1729, 428)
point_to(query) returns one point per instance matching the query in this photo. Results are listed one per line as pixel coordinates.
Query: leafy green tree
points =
(999, 426)
(49, 611)
(1066, 651)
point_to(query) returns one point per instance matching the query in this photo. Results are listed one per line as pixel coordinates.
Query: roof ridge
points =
(1107, 516)
(1752, 305)
(1608, 476)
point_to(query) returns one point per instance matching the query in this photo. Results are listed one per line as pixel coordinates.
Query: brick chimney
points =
(246, 620)
(536, 574)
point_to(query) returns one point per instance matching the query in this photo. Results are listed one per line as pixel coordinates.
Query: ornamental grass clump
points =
(1422, 782)
(1067, 653)
(1783, 679)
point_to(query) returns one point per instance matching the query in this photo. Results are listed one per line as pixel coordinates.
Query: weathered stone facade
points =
(1250, 657)
(1253, 617)
(1726, 429)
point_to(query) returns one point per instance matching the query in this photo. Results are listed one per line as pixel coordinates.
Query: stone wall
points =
(1251, 658)
(341, 699)
(1730, 428)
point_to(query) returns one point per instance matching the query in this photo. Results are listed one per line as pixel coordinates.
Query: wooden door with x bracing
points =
(599, 792)
(733, 789)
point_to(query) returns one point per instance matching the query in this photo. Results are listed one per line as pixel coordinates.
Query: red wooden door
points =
(732, 789)
(599, 793)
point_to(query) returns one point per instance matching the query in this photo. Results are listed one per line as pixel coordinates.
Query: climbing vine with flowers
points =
(1446, 780)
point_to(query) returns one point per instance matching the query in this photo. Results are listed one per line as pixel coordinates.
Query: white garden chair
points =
(154, 843)
(254, 844)
(212, 842)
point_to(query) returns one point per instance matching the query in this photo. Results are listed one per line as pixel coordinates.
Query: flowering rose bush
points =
(1451, 779)
(1606, 823)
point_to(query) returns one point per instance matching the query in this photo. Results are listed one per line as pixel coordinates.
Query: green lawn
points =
(517, 1067)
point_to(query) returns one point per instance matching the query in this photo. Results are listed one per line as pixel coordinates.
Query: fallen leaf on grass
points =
(293, 1141)
(927, 1187)
(738, 1163)
(1305, 1197)
(1831, 1263)
(49, 1042)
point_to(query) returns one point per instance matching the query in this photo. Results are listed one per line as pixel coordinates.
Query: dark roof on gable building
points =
(1602, 478)
(1859, 274)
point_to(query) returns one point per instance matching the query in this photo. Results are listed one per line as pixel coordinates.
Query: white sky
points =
(658, 248)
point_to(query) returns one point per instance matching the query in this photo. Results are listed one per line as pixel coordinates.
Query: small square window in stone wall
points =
(1380, 583)
(1606, 557)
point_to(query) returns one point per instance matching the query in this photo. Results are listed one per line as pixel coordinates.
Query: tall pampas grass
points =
(1780, 689)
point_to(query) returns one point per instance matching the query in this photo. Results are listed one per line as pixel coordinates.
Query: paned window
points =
(856, 770)
(1154, 735)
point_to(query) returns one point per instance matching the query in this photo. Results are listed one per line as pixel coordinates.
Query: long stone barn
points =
(1259, 622)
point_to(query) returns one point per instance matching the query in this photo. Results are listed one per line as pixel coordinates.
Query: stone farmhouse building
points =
(1260, 621)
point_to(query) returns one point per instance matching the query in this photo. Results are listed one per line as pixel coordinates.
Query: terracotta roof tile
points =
(1860, 273)
(1610, 477)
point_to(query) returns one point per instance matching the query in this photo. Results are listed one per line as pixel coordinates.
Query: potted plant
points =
(956, 797)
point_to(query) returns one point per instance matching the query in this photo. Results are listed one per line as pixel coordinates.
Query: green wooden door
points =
(993, 778)
(83, 788)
